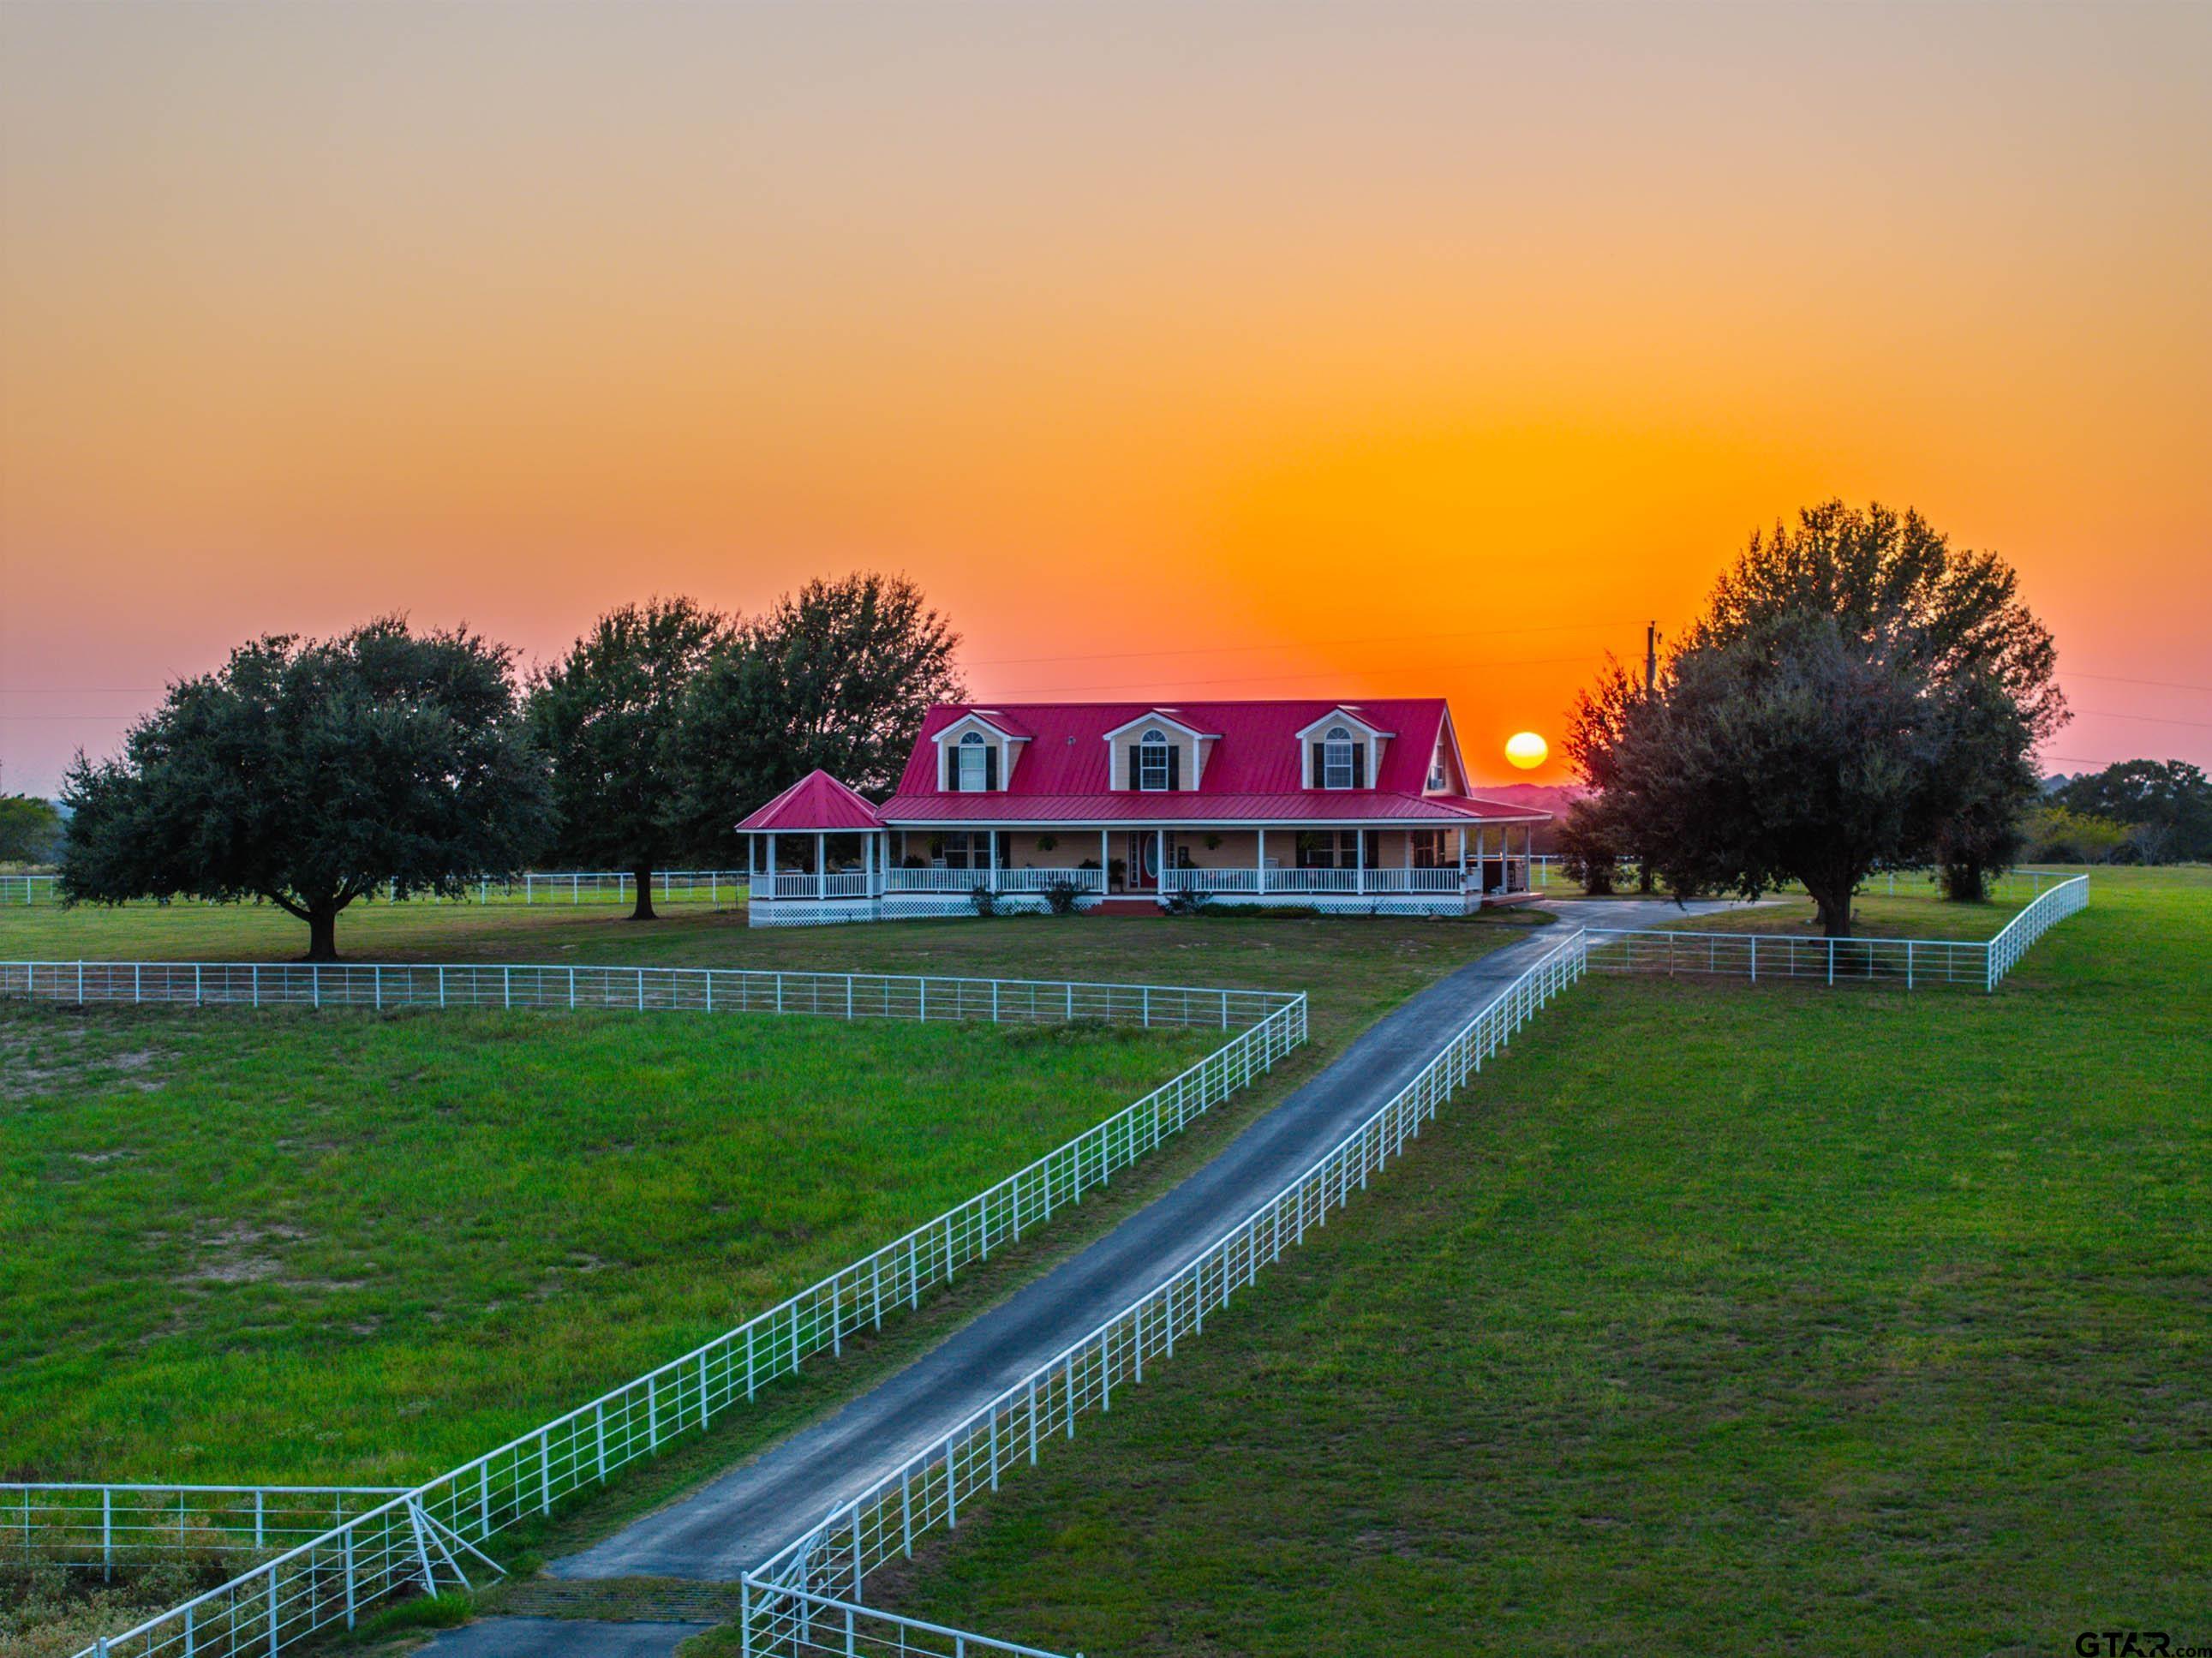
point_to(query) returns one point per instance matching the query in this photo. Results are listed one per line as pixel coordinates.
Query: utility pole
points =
(1650, 656)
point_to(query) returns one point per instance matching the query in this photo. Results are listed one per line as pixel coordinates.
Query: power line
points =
(2117, 679)
(1307, 644)
(1155, 685)
(2148, 719)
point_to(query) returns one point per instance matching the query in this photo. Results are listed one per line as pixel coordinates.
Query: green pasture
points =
(342, 1249)
(1795, 1320)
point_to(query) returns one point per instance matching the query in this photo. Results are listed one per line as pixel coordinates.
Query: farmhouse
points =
(1356, 807)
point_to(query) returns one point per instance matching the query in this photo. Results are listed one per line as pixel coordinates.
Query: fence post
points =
(106, 1537)
(1908, 963)
(507, 987)
(349, 1576)
(315, 984)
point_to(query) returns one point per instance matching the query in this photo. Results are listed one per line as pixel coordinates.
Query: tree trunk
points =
(1835, 911)
(1965, 884)
(643, 878)
(1643, 875)
(322, 935)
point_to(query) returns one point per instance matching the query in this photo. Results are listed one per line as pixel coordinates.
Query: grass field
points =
(1873, 915)
(299, 1247)
(1811, 1321)
(359, 1250)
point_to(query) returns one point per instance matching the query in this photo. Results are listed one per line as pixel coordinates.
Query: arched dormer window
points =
(1155, 761)
(1339, 766)
(975, 766)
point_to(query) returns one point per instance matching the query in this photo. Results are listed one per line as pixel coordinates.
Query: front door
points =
(1144, 861)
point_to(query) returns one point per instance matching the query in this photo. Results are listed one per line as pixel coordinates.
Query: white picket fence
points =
(1909, 962)
(807, 1597)
(419, 1537)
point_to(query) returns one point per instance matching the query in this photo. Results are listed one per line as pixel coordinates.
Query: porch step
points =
(1141, 904)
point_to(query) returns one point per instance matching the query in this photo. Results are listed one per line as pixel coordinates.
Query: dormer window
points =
(1437, 767)
(1155, 761)
(971, 765)
(1339, 763)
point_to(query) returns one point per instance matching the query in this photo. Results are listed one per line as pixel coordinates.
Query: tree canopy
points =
(2167, 805)
(30, 829)
(838, 676)
(1857, 694)
(309, 772)
(607, 717)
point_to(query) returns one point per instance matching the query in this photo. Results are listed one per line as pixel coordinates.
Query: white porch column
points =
(770, 838)
(821, 865)
(991, 858)
(1160, 857)
(1105, 857)
(1359, 863)
(1461, 833)
(1259, 860)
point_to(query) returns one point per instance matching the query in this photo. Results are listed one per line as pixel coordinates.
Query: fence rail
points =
(1912, 963)
(786, 1598)
(567, 886)
(93, 1527)
(387, 986)
(1546, 869)
(418, 1537)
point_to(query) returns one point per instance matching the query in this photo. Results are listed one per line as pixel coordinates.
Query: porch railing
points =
(838, 884)
(1345, 881)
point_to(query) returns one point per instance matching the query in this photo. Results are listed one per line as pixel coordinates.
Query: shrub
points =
(1186, 901)
(985, 900)
(1060, 896)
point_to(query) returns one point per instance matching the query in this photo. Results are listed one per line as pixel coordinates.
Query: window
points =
(974, 764)
(1437, 767)
(1336, 759)
(1328, 849)
(1428, 848)
(1152, 761)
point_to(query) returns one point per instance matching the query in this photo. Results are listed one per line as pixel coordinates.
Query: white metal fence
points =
(1546, 871)
(797, 1602)
(570, 886)
(387, 986)
(2051, 907)
(95, 1528)
(1912, 963)
(418, 1537)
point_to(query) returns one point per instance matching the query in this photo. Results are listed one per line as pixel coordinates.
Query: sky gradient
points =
(1228, 350)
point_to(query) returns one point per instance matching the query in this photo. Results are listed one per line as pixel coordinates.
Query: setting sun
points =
(1526, 750)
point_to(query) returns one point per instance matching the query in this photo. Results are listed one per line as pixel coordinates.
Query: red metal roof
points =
(815, 801)
(1346, 806)
(1252, 771)
(1256, 753)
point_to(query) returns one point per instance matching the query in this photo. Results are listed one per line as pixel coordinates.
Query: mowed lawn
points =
(1797, 1320)
(346, 1249)
(295, 1247)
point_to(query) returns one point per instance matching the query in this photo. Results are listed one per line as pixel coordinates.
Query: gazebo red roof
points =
(815, 802)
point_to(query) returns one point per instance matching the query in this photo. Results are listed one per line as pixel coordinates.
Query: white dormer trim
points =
(1448, 740)
(979, 723)
(1339, 715)
(1161, 717)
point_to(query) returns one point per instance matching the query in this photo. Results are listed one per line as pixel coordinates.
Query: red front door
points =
(1144, 856)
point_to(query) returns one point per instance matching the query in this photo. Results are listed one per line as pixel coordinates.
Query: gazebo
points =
(834, 871)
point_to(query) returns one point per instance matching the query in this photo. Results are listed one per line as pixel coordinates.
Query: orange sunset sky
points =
(1177, 350)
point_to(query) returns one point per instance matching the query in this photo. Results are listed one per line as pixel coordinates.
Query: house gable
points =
(976, 753)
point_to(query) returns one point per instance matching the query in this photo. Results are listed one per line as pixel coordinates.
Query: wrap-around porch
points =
(1447, 867)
